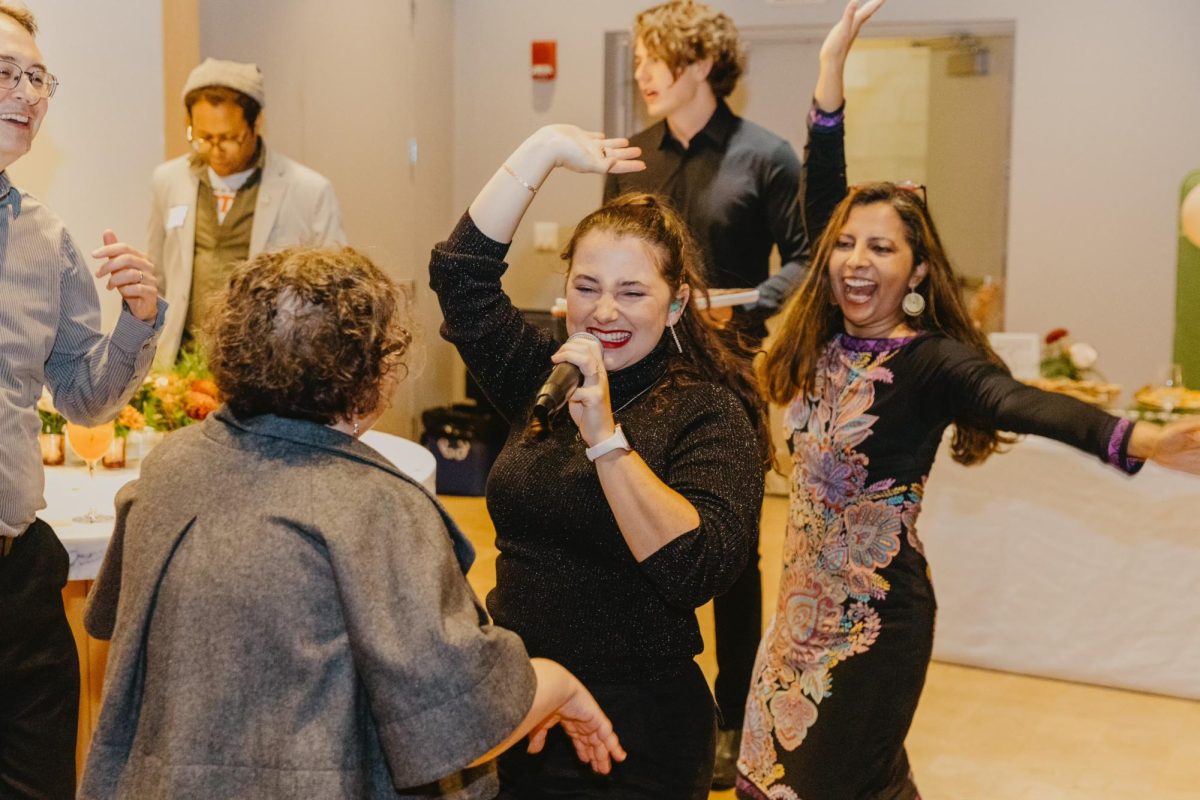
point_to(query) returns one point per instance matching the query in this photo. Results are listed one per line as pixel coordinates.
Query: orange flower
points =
(131, 418)
(206, 386)
(198, 405)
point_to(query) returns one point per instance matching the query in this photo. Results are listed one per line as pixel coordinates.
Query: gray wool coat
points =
(289, 620)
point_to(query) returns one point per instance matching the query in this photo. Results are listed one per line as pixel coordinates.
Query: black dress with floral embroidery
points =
(843, 661)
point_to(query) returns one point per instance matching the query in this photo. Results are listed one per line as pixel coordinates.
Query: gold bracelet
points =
(509, 170)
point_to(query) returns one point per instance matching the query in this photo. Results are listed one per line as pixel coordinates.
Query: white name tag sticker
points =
(176, 216)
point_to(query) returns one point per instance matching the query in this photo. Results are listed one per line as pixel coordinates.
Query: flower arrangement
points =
(52, 421)
(170, 400)
(1070, 368)
(1062, 358)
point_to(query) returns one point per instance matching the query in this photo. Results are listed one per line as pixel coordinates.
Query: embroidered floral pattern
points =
(841, 533)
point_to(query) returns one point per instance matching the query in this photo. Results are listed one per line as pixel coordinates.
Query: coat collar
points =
(225, 427)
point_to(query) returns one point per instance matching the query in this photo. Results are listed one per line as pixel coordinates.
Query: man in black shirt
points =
(736, 185)
(734, 182)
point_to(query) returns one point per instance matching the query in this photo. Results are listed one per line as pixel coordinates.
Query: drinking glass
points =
(1171, 387)
(90, 444)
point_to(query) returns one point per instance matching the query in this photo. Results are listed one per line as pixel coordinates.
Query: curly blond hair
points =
(683, 32)
(307, 333)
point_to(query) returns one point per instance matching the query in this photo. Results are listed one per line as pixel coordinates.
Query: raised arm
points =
(506, 355)
(824, 176)
(499, 206)
(829, 94)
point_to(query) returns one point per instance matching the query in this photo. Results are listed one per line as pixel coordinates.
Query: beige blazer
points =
(296, 205)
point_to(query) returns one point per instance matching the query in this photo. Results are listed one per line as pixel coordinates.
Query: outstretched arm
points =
(499, 206)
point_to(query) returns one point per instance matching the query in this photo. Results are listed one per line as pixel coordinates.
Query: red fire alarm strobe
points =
(545, 61)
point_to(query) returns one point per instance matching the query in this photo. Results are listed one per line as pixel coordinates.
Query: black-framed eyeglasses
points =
(226, 144)
(42, 82)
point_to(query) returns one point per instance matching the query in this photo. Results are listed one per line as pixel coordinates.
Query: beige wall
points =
(973, 222)
(346, 88)
(181, 52)
(1105, 123)
(92, 158)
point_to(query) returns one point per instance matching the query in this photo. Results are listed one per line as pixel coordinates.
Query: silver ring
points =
(140, 276)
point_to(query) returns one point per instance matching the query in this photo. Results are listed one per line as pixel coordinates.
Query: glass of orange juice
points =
(90, 444)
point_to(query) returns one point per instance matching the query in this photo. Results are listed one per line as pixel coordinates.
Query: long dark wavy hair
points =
(707, 356)
(813, 316)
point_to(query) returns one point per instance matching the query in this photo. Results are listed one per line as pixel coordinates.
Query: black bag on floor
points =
(465, 440)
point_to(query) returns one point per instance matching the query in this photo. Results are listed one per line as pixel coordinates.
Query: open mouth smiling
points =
(610, 340)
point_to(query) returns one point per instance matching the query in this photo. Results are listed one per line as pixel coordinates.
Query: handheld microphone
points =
(564, 379)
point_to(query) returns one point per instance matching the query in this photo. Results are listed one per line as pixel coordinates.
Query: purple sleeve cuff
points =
(826, 119)
(1118, 448)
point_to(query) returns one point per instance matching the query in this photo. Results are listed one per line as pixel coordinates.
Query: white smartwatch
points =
(615, 442)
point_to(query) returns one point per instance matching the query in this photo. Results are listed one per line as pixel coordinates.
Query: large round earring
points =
(913, 304)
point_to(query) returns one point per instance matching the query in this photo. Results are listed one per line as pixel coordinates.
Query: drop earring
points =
(675, 306)
(913, 303)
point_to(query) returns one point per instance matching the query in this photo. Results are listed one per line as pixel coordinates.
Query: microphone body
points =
(564, 379)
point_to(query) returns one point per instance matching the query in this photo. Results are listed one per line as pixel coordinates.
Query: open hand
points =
(1178, 446)
(588, 151)
(837, 43)
(589, 729)
(131, 274)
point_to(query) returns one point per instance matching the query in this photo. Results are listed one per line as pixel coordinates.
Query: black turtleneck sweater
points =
(565, 579)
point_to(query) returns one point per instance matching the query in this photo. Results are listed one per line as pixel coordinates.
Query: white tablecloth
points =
(70, 494)
(1047, 562)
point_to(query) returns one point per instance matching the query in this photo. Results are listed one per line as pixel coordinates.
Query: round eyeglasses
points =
(226, 144)
(41, 82)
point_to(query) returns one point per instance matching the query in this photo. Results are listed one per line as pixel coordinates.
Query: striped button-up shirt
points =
(49, 335)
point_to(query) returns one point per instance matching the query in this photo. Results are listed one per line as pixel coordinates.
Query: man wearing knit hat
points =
(231, 199)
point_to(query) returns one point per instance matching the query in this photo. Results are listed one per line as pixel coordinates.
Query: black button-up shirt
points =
(736, 186)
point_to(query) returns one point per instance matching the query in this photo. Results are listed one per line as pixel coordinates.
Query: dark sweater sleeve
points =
(973, 389)
(823, 176)
(715, 465)
(507, 356)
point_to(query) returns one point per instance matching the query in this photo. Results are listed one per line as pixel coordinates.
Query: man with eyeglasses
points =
(49, 336)
(230, 200)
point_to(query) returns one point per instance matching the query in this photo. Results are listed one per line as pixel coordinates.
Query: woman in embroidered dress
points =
(876, 357)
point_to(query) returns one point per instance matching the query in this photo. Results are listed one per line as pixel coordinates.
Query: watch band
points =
(615, 442)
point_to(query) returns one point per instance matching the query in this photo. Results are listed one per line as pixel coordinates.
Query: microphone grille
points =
(583, 335)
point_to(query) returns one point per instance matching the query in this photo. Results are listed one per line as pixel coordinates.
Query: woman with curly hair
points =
(288, 612)
(620, 518)
(876, 358)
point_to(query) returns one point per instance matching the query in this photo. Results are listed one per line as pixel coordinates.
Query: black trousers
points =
(39, 671)
(668, 730)
(737, 615)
